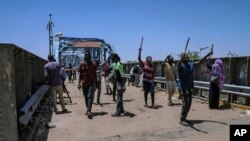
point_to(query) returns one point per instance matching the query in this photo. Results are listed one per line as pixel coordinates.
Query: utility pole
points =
(50, 26)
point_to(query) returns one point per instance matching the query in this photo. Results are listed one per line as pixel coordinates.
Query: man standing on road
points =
(119, 73)
(98, 82)
(186, 69)
(111, 78)
(70, 73)
(170, 75)
(136, 74)
(131, 76)
(106, 74)
(148, 78)
(55, 76)
(87, 78)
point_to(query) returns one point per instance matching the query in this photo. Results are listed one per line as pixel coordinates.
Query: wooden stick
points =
(141, 42)
(186, 45)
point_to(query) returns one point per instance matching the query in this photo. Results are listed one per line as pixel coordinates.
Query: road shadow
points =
(102, 104)
(99, 113)
(128, 114)
(128, 100)
(155, 107)
(177, 104)
(107, 94)
(107, 103)
(62, 112)
(68, 103)
(193, 122)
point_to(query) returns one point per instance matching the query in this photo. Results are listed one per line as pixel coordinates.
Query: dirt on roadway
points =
(140, 123)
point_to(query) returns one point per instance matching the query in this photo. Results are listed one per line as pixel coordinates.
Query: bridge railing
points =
(31, 105)
(231, 90)
(21, 74)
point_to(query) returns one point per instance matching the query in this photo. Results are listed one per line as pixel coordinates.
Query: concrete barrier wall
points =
(233, 67)
(21, 74)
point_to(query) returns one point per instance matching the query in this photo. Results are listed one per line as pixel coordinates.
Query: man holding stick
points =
(186, 69)
(148, 77)
(170, 75)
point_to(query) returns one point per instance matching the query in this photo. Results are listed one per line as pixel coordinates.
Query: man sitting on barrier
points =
(55, 76)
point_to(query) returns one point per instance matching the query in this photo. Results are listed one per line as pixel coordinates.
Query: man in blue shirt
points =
(186, 69)
(55, 75)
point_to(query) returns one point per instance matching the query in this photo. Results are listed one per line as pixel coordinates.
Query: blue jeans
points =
(88, 93)
(186, 102)
(148, 88)
(98, 88)
(120, 90)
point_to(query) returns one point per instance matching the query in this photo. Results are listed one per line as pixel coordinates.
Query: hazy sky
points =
(165, 25)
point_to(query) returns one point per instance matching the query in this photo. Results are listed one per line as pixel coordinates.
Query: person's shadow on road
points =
(155, 107)
(193, 122)
(128, 114)
(99, 113)
(128, 100)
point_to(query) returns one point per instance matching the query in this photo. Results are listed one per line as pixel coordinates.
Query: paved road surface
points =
(140, 123)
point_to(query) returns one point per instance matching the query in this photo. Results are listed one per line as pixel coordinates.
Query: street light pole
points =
(50, 26)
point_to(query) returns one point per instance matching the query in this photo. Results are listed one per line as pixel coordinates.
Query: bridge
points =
(25, 109)
(138, 123)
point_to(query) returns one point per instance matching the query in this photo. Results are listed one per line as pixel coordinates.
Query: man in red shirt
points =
(148, 78)
(87, 78)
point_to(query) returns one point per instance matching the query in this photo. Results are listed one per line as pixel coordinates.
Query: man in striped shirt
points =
(148, 78)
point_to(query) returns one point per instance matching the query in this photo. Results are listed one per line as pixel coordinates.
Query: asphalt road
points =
(140, 123)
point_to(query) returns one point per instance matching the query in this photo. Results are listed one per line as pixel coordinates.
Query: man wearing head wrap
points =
(148, 78)
(87, 80)
(216, 83)
(186, 69)
(170, 75)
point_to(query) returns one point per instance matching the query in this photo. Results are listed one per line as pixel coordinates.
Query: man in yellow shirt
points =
(170, 75)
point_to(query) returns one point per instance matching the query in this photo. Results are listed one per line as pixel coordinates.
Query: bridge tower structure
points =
(71, 50)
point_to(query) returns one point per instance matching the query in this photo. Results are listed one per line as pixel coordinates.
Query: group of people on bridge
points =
(90, 76)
